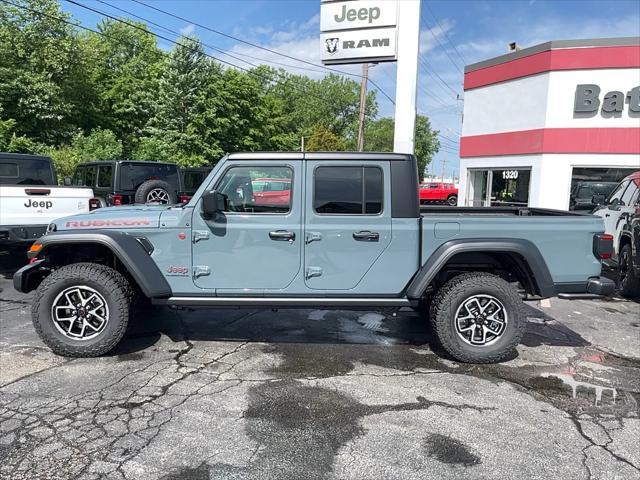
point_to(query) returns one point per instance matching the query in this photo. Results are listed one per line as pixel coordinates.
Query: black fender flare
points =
(542, 280)
(130, 250)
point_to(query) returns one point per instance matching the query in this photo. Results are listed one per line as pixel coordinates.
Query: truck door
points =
(254, 245)
(348, 221)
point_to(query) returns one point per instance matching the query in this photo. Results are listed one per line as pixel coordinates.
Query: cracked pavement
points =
(320, 394)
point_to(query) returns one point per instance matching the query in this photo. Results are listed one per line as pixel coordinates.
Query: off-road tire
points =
(452, 200)
(630, 285)
(145, 188)
(111, 284)
(446, 302)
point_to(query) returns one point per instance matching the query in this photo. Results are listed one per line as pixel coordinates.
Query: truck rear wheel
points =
(452, 200)
(82, 309)
(478, 318)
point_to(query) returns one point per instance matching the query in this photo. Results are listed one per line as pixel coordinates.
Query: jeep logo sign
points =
(358, 31)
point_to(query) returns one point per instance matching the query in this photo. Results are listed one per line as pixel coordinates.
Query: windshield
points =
(132, 175)
(21, 171)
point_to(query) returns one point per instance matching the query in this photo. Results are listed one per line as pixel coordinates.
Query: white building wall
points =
(519, 104)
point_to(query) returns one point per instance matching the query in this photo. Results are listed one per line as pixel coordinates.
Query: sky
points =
(454, 33)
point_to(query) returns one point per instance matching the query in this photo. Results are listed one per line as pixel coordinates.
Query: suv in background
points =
(437, 192)
(621, 215)
(192, 178)
(582, 194)
(30, 198)
(123, 182)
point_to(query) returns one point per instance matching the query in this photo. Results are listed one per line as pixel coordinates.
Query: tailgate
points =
(39, 205)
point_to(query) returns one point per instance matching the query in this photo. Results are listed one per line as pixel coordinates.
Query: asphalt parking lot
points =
(322, 394)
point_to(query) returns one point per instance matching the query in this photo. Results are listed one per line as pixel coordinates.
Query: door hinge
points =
(201, 271)
(200, 235)
(312, 237)
(312, 272)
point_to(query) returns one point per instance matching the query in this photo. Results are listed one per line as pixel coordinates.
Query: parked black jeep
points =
(123, 182)
(192, 178)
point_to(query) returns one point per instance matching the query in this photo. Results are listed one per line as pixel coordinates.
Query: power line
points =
(439, 43)
(464, 62)
(97, 32)
(213, 47)
(144, 30)
(254, 45)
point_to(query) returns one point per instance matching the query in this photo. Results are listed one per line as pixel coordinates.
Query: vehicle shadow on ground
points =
(11, 261)
(315, 327)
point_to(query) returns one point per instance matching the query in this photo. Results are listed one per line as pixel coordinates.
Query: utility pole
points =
(444, 162)
(363, 105)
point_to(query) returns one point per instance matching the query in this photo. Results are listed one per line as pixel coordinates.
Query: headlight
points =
(52, 227)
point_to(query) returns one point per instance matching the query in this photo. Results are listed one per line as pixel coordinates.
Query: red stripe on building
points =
(561, 59)
(553, 140)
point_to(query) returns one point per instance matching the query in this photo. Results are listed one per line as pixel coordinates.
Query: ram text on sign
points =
(357, 46)
(351, 15)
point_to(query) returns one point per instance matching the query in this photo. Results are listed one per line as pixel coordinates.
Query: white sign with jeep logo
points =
(375, 44)
(358, 31)
(351, 15)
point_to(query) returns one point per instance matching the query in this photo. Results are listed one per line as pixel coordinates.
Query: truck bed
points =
(565, 239)
(496, 211)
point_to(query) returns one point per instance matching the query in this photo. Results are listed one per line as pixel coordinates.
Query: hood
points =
(122, 217)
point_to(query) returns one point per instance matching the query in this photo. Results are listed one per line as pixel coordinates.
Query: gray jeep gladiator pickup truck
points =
(341, 230)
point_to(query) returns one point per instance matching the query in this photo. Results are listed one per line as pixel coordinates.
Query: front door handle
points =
(282, 236)
(366, 236)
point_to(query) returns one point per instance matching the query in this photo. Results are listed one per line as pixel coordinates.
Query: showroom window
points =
(499, 187)
(590, 182)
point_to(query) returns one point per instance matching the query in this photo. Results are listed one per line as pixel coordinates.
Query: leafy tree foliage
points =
(324, 140)
(81, 96)
(379, 138)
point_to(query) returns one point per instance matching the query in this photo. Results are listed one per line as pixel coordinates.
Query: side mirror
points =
(67, 181)
(214, 202)
(598, 199)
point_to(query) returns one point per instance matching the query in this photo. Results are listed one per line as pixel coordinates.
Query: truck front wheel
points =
(82, 309)
(478, 318)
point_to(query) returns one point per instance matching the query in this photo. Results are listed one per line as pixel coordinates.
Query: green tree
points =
(379, 138)
(39, 70)
(98, 145)
(126, 69)
(324, 140)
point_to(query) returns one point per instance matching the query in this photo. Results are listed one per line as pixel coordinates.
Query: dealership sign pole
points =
(363, 31)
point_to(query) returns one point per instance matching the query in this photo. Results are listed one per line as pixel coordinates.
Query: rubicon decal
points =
(117, 222)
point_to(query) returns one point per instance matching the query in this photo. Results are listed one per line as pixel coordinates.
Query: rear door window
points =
(348, 190)
(105, 176)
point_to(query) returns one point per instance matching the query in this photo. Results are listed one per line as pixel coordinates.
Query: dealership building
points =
(541, 122)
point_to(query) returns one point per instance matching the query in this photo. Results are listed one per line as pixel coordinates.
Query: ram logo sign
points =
(357, 46)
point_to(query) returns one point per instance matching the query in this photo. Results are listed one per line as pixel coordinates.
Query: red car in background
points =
(271, 191)
(438, 192)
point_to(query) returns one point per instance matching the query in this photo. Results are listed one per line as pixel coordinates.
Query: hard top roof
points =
(352, 156)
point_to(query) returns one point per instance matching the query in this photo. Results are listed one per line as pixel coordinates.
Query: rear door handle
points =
(366, 236)
(282, 236)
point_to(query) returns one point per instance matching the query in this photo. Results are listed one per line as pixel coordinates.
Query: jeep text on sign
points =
(374, 44)
(355, 15)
